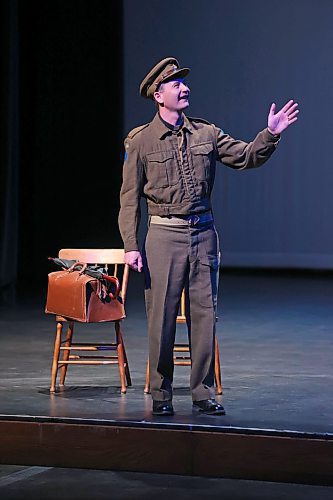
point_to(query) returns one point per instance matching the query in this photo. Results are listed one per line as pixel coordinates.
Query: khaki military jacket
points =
(175, 170)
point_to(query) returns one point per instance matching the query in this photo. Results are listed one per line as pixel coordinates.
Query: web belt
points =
(182, 220)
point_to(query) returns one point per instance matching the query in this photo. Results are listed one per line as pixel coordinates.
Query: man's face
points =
(173, 95)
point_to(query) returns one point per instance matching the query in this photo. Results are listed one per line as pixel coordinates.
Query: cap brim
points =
(146, 89)
(180, 73)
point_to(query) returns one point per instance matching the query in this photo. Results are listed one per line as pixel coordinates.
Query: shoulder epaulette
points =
(198, 120)
(136, 130)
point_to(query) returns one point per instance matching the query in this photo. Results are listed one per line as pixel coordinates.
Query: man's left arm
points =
(240, 155)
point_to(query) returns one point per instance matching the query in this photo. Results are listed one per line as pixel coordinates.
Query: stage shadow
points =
(83, 392)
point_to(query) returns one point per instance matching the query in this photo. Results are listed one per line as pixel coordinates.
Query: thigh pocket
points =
(209, 270)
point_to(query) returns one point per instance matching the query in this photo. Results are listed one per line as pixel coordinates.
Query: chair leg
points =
(147, 386)
(56, 353)
(121, 357)
(127, 371)
(68, 343)
(219, 389)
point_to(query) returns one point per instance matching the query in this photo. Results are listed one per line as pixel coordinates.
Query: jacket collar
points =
(162, 130)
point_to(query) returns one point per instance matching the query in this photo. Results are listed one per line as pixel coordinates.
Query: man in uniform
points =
(171, 162)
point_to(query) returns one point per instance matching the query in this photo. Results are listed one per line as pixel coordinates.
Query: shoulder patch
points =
(198, 120)
(136, 130)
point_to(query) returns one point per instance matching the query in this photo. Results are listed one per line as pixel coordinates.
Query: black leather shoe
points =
(162, 408)
(209, 407)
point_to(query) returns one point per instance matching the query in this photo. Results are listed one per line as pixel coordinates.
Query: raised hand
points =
(278, 122)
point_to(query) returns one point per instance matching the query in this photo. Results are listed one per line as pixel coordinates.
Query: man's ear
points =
(158, 96)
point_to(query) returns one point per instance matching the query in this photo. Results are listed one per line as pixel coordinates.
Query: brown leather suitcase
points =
(75, 295)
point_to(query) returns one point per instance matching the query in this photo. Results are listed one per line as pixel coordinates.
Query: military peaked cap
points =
(164, 71)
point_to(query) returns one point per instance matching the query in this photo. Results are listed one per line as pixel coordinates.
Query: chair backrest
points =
(106, 256)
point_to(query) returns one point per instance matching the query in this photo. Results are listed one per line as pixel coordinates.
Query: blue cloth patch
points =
(125, 156)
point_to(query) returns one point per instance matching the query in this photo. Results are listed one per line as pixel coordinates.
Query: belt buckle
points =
(193, 220)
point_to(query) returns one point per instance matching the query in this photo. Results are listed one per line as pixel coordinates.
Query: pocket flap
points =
(202, 149)
(160, 156)
(210, 260)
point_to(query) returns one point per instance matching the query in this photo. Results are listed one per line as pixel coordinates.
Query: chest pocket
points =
(161, 169)
(202, 157)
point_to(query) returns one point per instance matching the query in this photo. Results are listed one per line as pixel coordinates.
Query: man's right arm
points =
(130, 195)
(134, 260)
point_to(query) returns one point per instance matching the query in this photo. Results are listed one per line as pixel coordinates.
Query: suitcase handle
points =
(111, 279)
(82, 264)
(114, 280)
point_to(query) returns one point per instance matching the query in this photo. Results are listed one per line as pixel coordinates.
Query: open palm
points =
(278, 122)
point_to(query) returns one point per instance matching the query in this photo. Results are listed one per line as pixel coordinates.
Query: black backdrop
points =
(67, 133)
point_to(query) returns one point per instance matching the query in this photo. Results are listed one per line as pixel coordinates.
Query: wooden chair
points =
(113, 259)
(181, 354)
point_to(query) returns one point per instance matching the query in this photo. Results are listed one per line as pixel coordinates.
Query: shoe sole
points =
(216, 412)
(163, 414)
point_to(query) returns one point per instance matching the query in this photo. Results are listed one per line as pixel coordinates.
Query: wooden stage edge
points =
(279, 456)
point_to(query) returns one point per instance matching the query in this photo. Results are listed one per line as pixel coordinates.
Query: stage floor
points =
(276, 348)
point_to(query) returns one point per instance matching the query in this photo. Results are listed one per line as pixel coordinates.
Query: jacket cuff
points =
(271, 137)
(131, 247)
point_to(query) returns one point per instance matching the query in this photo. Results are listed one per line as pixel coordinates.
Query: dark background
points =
(244, 55)
(61, 135)
(70, 72)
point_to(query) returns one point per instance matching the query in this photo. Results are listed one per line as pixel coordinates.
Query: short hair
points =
(160, 88)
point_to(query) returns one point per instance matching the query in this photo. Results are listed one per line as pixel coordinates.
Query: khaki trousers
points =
(177, 257)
